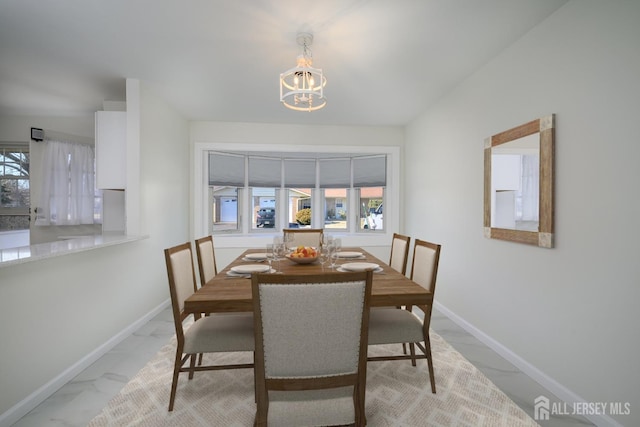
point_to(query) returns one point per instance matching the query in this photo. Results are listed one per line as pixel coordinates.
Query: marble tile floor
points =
(77, 402)
(514, 383)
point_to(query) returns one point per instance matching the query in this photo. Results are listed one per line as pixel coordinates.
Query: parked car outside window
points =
(266, 217)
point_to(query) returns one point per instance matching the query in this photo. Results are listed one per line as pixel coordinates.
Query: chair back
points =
(206, 259)
(399, 252)
(304, 236)
(182, 281)
(311, 333)
(424, 267)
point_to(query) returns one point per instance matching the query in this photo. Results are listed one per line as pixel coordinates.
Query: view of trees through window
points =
(14, 188)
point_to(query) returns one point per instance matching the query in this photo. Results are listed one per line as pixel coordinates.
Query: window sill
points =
(259, 240)
(64, 246)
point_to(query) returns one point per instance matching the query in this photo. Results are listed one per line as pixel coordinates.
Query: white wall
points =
(18, 128)
(55, 312)
(164, 176)
(570, 312)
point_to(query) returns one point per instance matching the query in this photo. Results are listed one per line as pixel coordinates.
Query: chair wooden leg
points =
(174, 383)
(262, 397)
(427, 347)
(361, 419)
(255, 382)
(192, 365)
(261, 418)
(412, 351)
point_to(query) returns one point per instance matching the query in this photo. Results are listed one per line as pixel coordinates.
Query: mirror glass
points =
(514, 184)
(519, 183)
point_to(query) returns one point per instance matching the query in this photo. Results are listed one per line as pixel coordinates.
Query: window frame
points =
(23, 174)
(246, 238)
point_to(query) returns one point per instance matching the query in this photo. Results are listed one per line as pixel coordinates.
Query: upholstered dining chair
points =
(206, 259)
(392, 326)
(399, 252)
(311, 348)
(398, 259)
(304, 236)
(210, 334)
(207, 268)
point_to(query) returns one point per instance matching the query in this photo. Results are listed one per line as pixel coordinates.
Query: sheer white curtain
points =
(530, 189)
(67, 196)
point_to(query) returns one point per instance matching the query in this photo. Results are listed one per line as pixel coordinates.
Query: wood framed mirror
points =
(519, 183)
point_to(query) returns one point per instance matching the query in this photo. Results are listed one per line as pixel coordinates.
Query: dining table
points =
(231, 292)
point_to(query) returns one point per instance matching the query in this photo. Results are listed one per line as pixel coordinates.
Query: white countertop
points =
(61, 247)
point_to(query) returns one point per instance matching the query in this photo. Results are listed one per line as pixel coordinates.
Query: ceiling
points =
(385, 61)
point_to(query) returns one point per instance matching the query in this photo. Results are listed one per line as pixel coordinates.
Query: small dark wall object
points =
(37, 134)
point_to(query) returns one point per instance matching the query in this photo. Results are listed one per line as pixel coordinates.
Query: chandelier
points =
(302, 87)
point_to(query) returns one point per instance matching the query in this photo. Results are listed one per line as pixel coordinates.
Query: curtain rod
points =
(50, 135)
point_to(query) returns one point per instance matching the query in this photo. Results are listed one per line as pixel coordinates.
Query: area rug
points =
(398, 394)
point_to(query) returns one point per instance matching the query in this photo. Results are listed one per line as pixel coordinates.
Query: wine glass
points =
(326, 240)
(337, 246)
(288, 241)
(271, 254)
(323, 255)
(279, 251)
(331, 252)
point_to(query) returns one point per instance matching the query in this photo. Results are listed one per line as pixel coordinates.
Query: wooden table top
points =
(226, 294)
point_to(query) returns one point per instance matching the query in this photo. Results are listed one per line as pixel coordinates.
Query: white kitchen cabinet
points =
(111, 149)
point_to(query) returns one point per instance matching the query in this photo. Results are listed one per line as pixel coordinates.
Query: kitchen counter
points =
(65, 245)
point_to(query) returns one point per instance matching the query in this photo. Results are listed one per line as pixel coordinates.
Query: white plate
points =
(349, 254)
(245, 275)
(250, 268)
(232, 274)
(257, 256)
(377, 270)
(359, 266)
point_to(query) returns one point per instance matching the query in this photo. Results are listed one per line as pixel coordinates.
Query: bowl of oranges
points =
(303, 255)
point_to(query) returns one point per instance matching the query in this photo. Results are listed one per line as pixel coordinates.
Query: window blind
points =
(226, 169)
(265, 172)
(300, 173)
(335, 173)
(370, 171)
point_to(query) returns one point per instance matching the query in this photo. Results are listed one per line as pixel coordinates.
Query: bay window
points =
(340, 189)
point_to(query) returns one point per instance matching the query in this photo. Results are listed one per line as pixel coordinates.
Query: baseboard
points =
(536, 374)
(23, 407)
